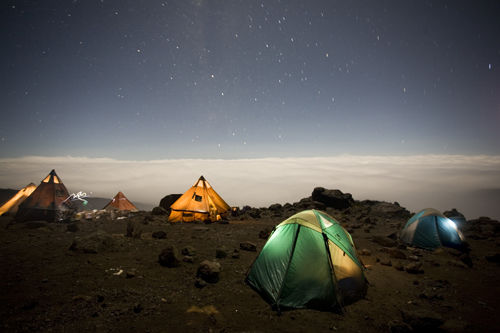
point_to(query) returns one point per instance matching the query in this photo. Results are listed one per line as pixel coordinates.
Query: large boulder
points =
(456, 217)
(160, 211)
(168, 200)
(332, 198)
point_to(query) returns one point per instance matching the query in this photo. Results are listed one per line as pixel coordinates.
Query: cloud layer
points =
(469, 183)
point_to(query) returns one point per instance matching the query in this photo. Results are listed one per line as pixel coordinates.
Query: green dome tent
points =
(309, 261)
(429, 229)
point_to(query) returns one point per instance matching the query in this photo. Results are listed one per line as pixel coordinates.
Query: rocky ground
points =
(142, 274)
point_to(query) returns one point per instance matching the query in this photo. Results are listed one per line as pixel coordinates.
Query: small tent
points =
(12, 205)
(309, 261)
(429, 229)
(120, 202)
(199, 203)
(49, 202)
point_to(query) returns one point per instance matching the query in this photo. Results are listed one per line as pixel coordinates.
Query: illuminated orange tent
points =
(49, 202)
(199, 203)
(12, 205)
(120, 202)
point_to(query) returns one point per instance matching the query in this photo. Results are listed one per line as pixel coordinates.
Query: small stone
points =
(72, 227)
(455, 326)
(209, 271)
(188, 259)
(365, 252)
(414, 268)
(264, 233)
(248, 246)
(399, 266)
(386, 262)
(189, 251)
(169, 257)
(130, 274)
(422, 320)
(396, 326)
(138, 308)
(236, 254)
(384, 241)
(199, 283)
(159, 234)
(221, 252)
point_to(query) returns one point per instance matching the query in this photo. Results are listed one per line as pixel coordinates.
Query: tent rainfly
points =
(12, 205)
(120, 202)
(309, 261)
(49, 202)
(429, 229)
(199, 203)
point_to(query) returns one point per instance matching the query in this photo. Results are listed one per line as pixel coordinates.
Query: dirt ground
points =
(46, 287)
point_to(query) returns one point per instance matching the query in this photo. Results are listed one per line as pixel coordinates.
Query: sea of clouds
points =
(469, 183)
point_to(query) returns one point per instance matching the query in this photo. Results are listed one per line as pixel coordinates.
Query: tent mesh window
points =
(197, 198)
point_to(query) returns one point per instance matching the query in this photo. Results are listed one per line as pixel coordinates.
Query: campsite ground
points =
(48, 287)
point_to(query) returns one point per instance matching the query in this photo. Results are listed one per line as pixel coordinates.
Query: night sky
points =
(143, 80)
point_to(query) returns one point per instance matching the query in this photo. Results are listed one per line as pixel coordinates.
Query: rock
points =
(72, 227)
(159, 211)
(457, 263)
(188, 259)
(95, 242)
(275, 207)
(138, 308)
(386, 262)
(365, 252)
(466, 259)
(130, 274)
(169, 257)
(455, 326)
(367, 220)
(221, 252)
(456, 217)
(134, 229)
(399, 266)
(189, 251)
(414, 268)
(248, 246)
(168, 200)
(236, 254)
(209, 271)
(384, 241)
(495, 258)
(159, 234)
(394, 253)
(332, 198)
(396, 326)
(199, 283)
(422, 320)
(308, 203)
(264, 233)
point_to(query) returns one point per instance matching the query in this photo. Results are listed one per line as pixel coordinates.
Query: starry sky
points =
(144, 80)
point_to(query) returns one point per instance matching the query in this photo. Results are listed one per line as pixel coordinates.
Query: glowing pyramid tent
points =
(49, 202)
(120, 202)
(12, 205)
(309, 261)
(199, 203)
(429, 229)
